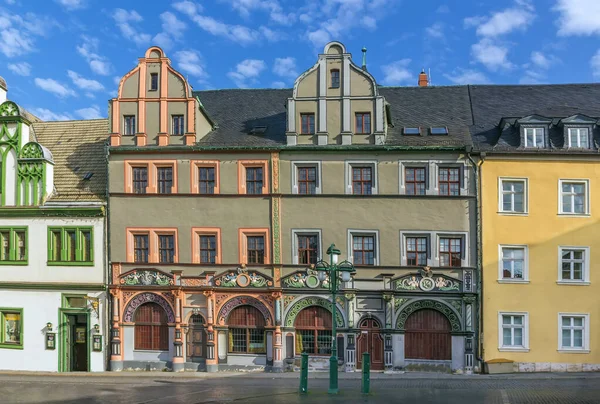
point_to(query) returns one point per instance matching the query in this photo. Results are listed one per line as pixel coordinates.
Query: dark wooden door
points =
(195, 338)
(79, 343)
(370, 341)
(427, 336)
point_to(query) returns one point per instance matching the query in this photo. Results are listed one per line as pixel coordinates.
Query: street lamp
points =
(344, 269)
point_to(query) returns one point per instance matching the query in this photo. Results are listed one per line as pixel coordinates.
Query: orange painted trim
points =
(152, 49)
(153, 233)
(142, 80)
(198, 231)
(128, 166)
(124, 79)
(166, 163)
(164, 116)
(154, 99)
(140, 139)
(116, 116)
(195, 164)
(115, 139)
(243, 164)
(164, 80)
(163, 139)
(243, 233)
(191, 117)
(152, 166)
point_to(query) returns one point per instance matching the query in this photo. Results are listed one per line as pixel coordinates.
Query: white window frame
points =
(360, 232)
(578, 137)
(349, 164)
(429, 235)
(525, 182)
(535, 129)
(300, 232)
(585, 266)
(135, 129)
(586, 333)
(510, 348)
(464, 236)
(586, 183)
(307, 163)
(501, 278)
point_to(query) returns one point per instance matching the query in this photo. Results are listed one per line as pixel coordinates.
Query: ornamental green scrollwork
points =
(9, 108)
(399, 301)
(146, 278)
(428, 304)
(31, 150)
(276, 235)
(312, 301)
(457, 304)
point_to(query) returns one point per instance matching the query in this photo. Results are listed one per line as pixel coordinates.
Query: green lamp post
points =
(332, 269)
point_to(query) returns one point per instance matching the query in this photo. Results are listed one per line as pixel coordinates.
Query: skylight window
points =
(258, 130)
(412, 131)
(439, 130)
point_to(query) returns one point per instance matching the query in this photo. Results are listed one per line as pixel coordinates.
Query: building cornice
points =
(46, 211)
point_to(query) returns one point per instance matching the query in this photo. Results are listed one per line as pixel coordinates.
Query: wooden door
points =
(427, 336)
(196, 338)
(371, 341)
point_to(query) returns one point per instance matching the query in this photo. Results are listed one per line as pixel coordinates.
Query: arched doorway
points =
(427, 336)
(196, 339)
(370, 341)
(151, 328)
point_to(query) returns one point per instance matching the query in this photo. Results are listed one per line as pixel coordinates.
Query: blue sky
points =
(62, 59)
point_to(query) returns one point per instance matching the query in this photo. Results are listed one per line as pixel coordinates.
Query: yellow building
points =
(540, 177)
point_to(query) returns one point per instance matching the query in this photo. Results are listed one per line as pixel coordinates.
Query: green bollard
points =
(366, 373)
(304, 374)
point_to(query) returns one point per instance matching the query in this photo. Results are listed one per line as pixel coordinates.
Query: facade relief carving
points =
(242, 278)
(428, 304)
(146, 278)
(426, 281)
(305, 279)
(312, 301)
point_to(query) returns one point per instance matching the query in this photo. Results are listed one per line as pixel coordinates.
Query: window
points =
(534, 137)
(307, 124)
(574, 332)
(129, 128)
(254, 246)
(449, 181)
(363, 122)
(246, 330)
(70, 246)
(450, 252)
(415, 180)
(256, 249)
(151, 328)
(513, 332)
(208, 249)
(438, 130)
(513, 263)
(362, 180)
(578, 137)
(152, 177)
(13, 246)
(11, 328)
(573, 197)
(206, 245)
(513, 195)
(164, 179)
(416, 251)
(159, 245)
(308, 248)
(573, 265)
(205, 177)
(411, 131)
(141, 248)
(139, 179)
(313, 331)
(166, 248)
(206, 180)
(153, 81)
(335, 78)
(253, 177)
(177, 123)
(307, 180)
(254, 180)
(363, 250)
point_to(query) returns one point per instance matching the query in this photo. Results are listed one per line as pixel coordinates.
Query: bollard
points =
(366, 373)
(304, 374)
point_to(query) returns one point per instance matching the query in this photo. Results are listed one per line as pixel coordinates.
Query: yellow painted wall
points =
(543, 230)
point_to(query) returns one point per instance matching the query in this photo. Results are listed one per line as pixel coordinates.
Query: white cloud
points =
(278, 84)
(46, 115)
(172, 29)
(578, 17)
(443, 9)
(125, 20)
(117, 80)
(595, 64)
(92, 112)
(22, 69)
(188, 8)
(397, 73)
(247, 71)
(190, 62)
(272, 36)
(542, 61)
(88, 49)
(467, 76)
(83, 83)
(54, 87)
(491, 55)
(18, 31)
(369, 22)
(532, 77)
(72, 4)
(436, 30)
(276, 12)
(507, 21)
(319, 37)
(285, 67)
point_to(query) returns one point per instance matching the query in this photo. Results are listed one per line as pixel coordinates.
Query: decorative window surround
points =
(243, 243)
(585, 267)
(427, 165)
(432, 174)
(195, 165)
(433, 254)
(585, 331)
(13, 255)
(349, 164)
(586, 202)
(357, 232)
(403, 248)
(317, 165)
(243, 164)
(153, 234)
(300, 232)
(63, 257)
(502, 192)
(11, 332)
(464, 176)
(129, 125)
(525, 333)
(152, 166)
(464, 239)
(206, 231)
(501, 278)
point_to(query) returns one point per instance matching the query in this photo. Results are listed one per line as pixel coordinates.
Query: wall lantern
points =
(97, 342)
(97, 328)
(50, 340)
(49, 326)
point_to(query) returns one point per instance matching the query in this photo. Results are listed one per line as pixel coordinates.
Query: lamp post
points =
(344, 269)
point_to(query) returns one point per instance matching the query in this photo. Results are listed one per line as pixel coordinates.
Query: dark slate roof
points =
(490, 104)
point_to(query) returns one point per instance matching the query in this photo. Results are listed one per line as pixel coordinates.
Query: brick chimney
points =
(423, 79)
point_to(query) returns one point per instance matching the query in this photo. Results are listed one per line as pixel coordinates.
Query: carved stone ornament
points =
(427, 282)
(194, 281)
(311, 301)
(240, 301)
(146, 278)
(428, 304)
(147, 298)
(304, 279)
(242, 278)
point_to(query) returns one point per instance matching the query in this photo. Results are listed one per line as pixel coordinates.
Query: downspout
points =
(108, 272)
(479, 251)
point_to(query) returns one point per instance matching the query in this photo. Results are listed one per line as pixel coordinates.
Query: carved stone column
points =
(211, 341)
(350, 337)
(116, 355)
(277, 340)
(178, 365)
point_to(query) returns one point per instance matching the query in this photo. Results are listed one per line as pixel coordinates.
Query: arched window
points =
(313, 331)
(246, 330)
(151, 329)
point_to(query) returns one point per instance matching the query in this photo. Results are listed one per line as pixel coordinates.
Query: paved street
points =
(267, 389)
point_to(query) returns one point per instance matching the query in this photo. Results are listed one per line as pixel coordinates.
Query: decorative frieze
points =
(242, 278)
(305, 279)
(146, 278)
(427, 282)
(311, 301)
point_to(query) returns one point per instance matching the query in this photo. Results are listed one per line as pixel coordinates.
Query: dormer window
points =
(335, 78)
(578, 137)
(534, 137)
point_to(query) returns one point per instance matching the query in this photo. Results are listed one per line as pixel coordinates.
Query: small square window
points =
(573, 332)
(574, 197)
(177, 124)
(11, 328)
(361, 177)
(513, 330)
(513, 195)
(153, 81)
(166, 248)
(438, 131)
(573, 265)
(450, 252)
(141, 248)
(534, 137)
(417, 251)
(335, 78)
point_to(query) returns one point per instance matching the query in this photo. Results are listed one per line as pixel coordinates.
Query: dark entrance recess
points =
(371, 341)
(77, 343)
(196, 341)
(427, 336)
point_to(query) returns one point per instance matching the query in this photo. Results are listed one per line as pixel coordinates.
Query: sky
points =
(63, 59)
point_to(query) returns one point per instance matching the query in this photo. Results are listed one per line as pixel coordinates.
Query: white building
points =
(52, 238)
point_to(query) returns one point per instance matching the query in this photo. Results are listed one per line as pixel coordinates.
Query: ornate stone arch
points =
(305, 302)
(234, 302)
(442, 307)
(375, 316)
(147, 297)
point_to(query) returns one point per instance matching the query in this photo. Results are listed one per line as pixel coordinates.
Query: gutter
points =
(282, 148)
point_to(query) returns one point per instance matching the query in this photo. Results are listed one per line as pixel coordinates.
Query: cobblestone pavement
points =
(267, 389)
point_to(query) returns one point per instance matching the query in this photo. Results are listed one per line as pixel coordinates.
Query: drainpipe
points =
(479, 250)
(108, 272)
